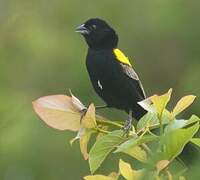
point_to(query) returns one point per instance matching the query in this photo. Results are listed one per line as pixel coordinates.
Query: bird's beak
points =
(82, 29)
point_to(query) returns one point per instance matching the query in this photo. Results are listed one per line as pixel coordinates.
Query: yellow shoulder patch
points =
(121, 57)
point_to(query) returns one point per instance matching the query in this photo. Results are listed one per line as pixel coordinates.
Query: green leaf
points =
(101, 134)
(173, 142)
(147, 120)
(192, 120)
(151, 121)
(176, 124)
(135, 142)
(196, 141)
(138, 153)
(182, 104)
(160, 102)
(103, 147)
(180, 123)
(133, 149)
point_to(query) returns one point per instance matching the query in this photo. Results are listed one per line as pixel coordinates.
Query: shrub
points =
(155, 141)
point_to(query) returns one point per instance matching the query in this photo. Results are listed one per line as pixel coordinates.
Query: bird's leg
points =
(128, 122)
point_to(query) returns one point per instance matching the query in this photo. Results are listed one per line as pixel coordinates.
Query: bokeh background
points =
(40, 54)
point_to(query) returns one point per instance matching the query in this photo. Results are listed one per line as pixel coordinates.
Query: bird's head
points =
(98, 34)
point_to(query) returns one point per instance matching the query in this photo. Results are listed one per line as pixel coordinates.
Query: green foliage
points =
(196, 141)
(103, 147)
(137, 141)
(156, 152)
(172, 142)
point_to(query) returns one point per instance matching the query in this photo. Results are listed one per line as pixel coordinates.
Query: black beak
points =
(82, 29)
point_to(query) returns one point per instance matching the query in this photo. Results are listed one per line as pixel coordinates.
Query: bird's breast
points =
(101, 66)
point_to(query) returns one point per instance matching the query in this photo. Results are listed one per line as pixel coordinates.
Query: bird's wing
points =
(129, 71)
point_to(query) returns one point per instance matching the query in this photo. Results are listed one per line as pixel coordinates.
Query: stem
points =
(147, 148)
(110, 123)
(143, 132)
(169, 175)
(161, 128)
(151, 133)
(102, 130)
(161, 124)
(144, 145)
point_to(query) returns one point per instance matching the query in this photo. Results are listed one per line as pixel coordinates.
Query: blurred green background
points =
(40, 54)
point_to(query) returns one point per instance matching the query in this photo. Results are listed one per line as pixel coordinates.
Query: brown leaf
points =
(58, 112)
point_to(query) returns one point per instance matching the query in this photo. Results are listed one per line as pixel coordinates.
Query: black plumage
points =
(112, 77)
(115, 81)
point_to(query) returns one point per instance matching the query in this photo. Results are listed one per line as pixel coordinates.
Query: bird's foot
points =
(128, 124)
(127, 127)
(82, 112)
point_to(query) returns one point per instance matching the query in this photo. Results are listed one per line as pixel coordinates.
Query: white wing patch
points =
(99, 84)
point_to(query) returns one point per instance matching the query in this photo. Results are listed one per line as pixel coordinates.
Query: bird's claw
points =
(128, 124)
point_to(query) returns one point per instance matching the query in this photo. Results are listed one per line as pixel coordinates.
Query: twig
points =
(144, 132)
(110, 123)
(102, 130)
(151, 133)
(147, 148)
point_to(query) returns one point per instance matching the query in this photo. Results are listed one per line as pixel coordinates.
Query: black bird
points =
(110, 71)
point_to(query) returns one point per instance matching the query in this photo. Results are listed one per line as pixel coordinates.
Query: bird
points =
(110, 71)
